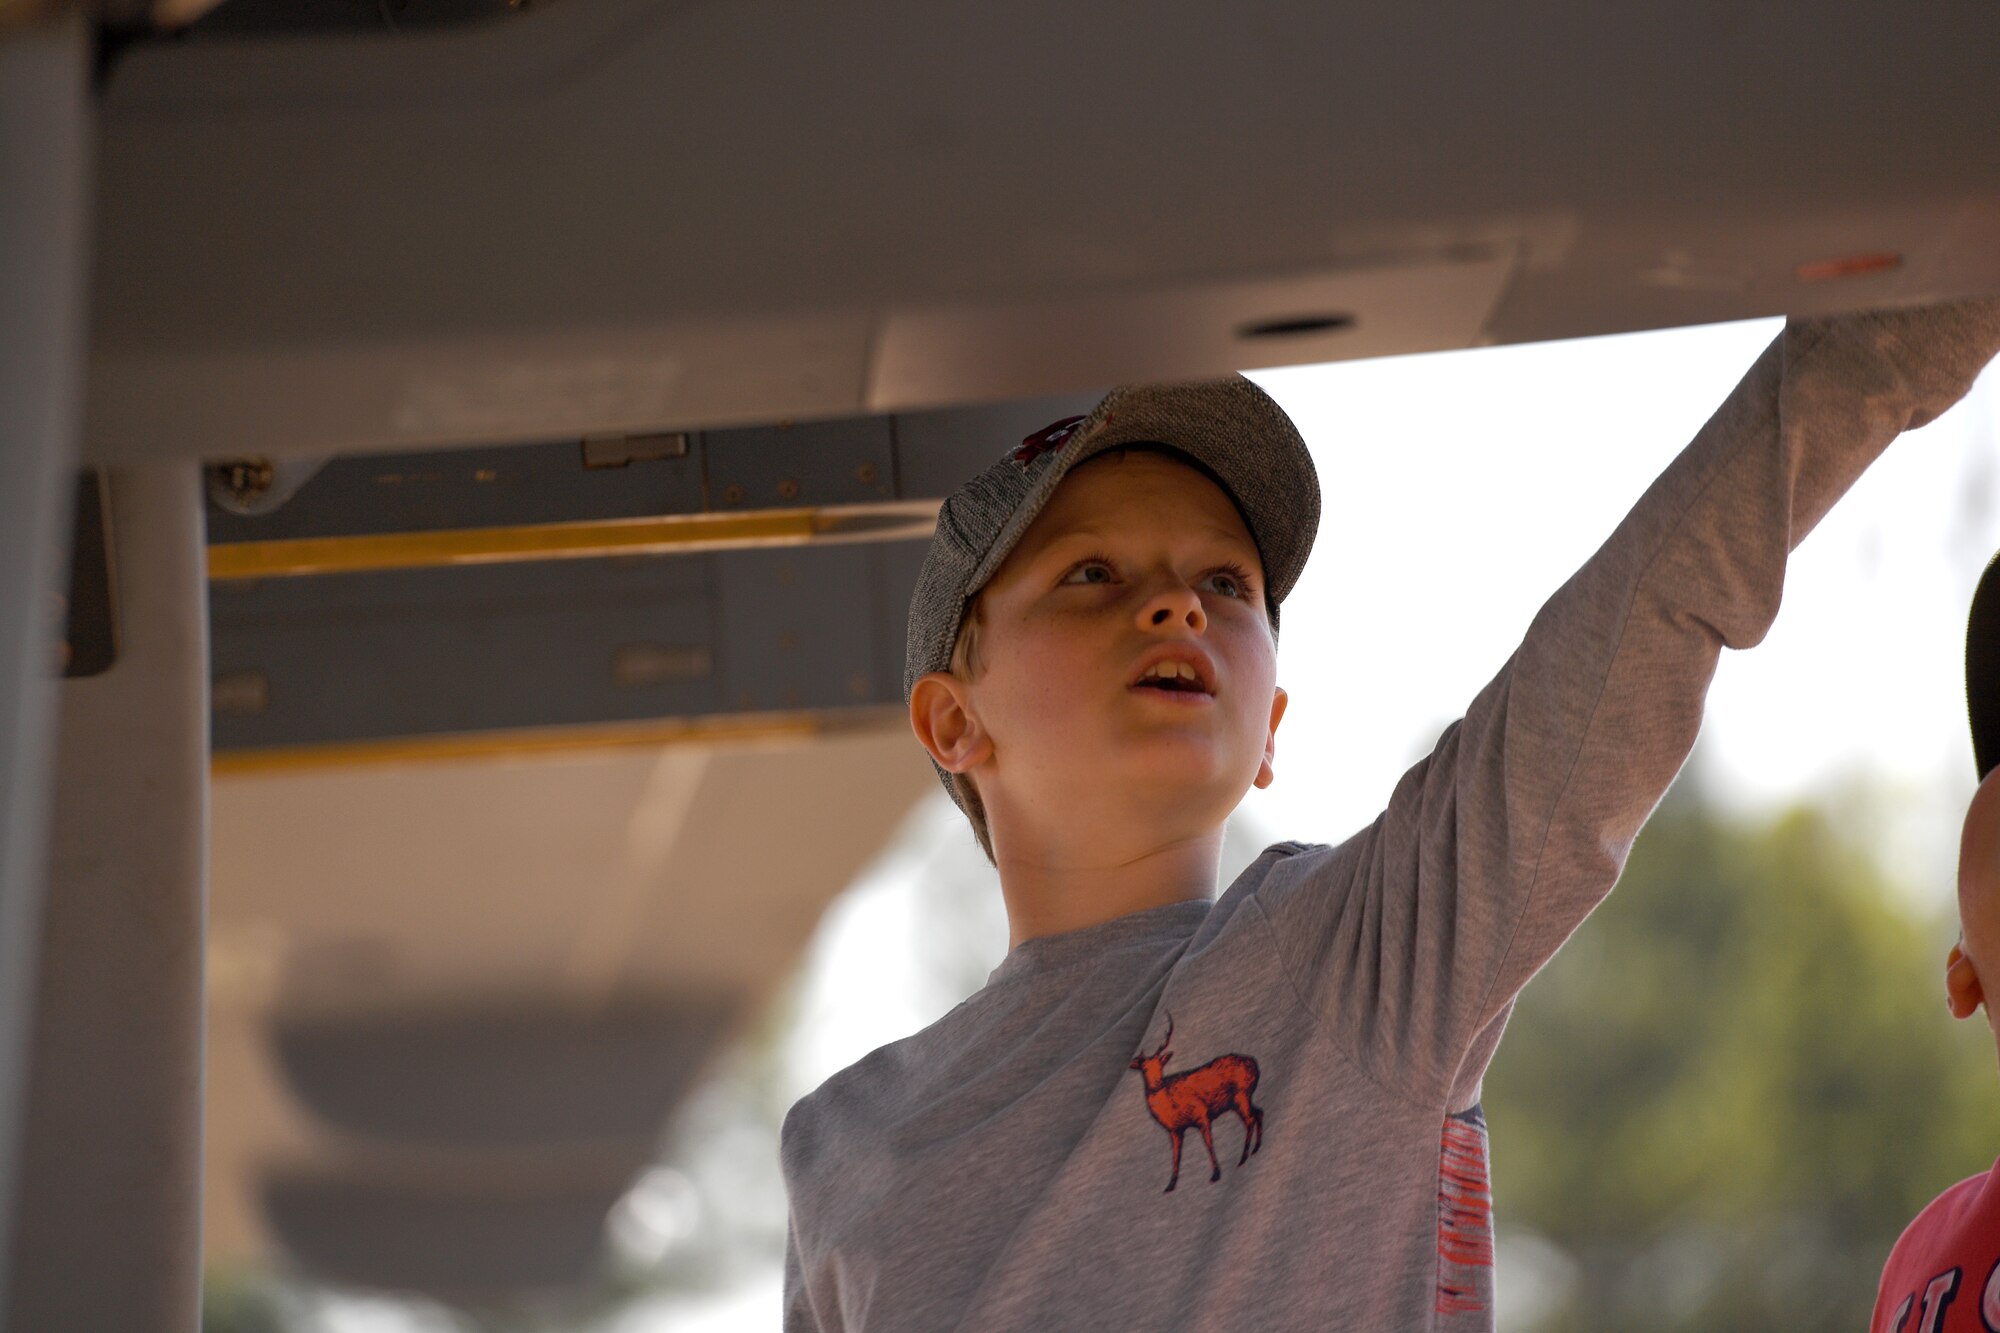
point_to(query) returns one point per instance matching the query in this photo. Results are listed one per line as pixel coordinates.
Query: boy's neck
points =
(1050, 893)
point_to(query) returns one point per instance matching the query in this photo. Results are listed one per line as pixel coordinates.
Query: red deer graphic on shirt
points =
(1181, 1102)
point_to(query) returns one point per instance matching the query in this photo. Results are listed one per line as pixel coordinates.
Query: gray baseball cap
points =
(1229, 426)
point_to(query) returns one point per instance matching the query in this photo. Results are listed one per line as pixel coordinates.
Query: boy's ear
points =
(1961, 983)
(1266, 775)
(942, 717)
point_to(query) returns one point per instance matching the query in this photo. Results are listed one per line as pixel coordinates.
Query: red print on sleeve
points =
(1465, 1215)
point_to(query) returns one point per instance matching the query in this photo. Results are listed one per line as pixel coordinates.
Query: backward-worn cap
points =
(1229, 426)
(1982, 670)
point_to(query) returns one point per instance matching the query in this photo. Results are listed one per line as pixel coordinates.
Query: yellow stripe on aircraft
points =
(734, 729)
(570, 541)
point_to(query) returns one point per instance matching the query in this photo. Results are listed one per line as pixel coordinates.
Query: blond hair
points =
(965, 665)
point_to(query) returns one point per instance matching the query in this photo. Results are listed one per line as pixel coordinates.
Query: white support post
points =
(44, 237)
(108, 1188)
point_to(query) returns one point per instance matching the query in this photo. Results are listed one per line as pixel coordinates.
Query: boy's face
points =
(1975, 961)
(1126, 677)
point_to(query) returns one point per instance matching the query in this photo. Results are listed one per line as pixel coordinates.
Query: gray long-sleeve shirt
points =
(1337, 1006)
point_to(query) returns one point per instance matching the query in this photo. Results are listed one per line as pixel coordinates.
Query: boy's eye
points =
(1229, 583)
(1090, 571)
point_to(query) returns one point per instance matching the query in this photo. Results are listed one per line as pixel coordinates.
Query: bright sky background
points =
(1462, 488)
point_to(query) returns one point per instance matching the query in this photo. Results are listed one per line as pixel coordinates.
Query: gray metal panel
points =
(365, 656)
(113, 1128)
(470, 488)
(346, 657)
(45, 128)
(852, 460)
(894, 566)
(849, 461)
(658, 213)
(799, 629)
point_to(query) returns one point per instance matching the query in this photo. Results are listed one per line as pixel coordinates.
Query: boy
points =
(1092, 668)
(1944, 1274)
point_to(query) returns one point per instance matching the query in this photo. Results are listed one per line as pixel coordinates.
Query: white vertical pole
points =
(44, 237)
(109, 1182)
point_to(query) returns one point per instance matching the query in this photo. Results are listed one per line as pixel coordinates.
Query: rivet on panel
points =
(637, 664)
(241, 693)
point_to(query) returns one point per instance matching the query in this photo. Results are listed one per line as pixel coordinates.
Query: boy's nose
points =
(1173, 606)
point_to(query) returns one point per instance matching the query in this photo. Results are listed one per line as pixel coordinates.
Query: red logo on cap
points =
(1048, 438)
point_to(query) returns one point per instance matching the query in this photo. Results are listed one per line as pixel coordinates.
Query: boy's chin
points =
(1178, 782)
(1128, 815)
(1171, 783)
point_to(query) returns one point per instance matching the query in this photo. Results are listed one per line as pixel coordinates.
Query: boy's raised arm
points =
(1492, 850)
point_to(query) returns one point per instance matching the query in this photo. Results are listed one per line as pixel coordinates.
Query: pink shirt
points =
(1944, 1274)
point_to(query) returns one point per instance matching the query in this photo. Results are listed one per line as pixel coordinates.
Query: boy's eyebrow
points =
(1064, 545)
(1236, 538)
(1229, 537)
(1071, 537)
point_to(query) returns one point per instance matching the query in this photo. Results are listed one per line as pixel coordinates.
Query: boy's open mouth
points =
(1174, 675)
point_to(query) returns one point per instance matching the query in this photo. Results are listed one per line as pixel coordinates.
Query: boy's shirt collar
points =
(1049, 953)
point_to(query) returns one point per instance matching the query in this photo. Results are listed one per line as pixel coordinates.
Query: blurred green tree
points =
(1732, 1089)
(237, 1300)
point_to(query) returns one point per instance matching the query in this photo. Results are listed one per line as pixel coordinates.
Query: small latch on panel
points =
(253, 487)
(240, 693)
(636, 664)
(607, 451)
